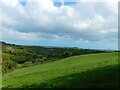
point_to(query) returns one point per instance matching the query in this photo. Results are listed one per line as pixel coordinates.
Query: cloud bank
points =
(83, 24)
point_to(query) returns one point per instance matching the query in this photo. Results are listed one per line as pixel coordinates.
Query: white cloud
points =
(41, 20)
(15, 35)
(9, 3)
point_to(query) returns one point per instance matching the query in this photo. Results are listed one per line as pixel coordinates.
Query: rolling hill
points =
(82, 71)
(17, 56)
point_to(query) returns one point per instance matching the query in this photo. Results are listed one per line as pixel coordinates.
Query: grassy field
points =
(84, 71)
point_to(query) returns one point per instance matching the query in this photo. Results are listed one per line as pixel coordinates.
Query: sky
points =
(65, 23)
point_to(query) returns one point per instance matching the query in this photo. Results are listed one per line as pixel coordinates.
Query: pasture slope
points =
(83, 71)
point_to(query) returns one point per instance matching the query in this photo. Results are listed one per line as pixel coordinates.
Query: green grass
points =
(93, 70)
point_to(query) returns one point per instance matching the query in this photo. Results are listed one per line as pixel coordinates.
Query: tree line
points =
(15, 56)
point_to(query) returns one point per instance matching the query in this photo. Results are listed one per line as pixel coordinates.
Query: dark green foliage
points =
(21, 54)
(8, 65)
(18, 59)
(66, 54)
(26, 64)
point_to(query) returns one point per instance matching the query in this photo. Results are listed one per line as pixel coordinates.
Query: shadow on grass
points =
(104, 77)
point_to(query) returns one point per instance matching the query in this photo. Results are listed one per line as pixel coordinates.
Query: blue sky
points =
(57, 23)
(59, 3)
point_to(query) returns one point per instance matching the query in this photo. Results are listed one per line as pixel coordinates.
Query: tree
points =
(8, 65)
(66, 54)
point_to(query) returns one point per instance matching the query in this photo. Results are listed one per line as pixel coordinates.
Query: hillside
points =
(84, 71)
(16, 56)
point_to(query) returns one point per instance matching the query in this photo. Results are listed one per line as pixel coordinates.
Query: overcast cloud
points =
(83, 24)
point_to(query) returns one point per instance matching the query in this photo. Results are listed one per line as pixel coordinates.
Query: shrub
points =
(26, 64)
(8, 65)
(18, 59)
(66, 54)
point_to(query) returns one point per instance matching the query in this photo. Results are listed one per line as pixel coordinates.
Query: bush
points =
(5, 56)
(26, 64)
(8, 65)
(18, 59)
(66, 54)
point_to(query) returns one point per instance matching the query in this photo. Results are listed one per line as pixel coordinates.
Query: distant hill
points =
(14, 55)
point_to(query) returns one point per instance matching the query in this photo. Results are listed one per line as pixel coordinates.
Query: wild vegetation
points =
(58, 67)
(16, 56)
